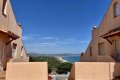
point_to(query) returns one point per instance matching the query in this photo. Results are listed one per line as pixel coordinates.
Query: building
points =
(105, 43)
(11, 44)
(101, 59)
(14, 62)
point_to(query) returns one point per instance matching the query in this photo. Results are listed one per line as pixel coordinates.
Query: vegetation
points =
(62, 68)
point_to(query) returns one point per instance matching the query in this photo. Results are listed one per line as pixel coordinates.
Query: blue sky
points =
(58, 26)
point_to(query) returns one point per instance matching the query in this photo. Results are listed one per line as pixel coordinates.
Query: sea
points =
(72, 59)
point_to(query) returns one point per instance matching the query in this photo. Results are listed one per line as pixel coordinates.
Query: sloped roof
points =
(9, 34)
(112, 33)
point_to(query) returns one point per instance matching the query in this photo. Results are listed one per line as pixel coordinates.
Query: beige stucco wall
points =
(72, 74)
(108, 23)
(27, 71)
(2, 75)
(3, 20)
(8, 23)
(94, 71)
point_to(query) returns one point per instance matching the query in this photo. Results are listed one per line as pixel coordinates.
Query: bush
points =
(64, 68)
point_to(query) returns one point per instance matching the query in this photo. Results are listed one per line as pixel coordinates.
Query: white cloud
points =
(38, 44)
(37, 37)
(48, 44)
(56, 43)
(48, 38)
(71, 41)
(28, 37)
(84, 41)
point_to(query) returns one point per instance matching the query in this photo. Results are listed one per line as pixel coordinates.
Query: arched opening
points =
(116, 10)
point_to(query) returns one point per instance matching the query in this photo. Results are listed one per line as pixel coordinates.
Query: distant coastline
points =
(54, 55)
(61, 59)
(70, 58)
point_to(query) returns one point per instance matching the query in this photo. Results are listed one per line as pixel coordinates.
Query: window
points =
(101, 47)
(116, 9)
(90, 51)
(21, 48)
(14, 49)
(22, 51)
(4, 8)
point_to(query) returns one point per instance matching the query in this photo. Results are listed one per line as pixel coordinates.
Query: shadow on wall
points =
(116, 72)
(7, 55)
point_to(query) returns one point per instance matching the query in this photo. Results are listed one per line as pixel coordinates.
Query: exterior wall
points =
(72, 73)
(95, 71)
(8, 23)
(3, 19)
(108, 23)
(27, 71)
(2, 75)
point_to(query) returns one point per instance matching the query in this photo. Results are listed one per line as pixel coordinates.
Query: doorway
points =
(1, 54)
(117, 47)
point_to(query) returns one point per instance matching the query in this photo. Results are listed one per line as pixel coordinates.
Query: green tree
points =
(64, 68)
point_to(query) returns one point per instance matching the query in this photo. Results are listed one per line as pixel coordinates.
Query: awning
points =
(12, 35)
(111, 33)
(9, 34)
